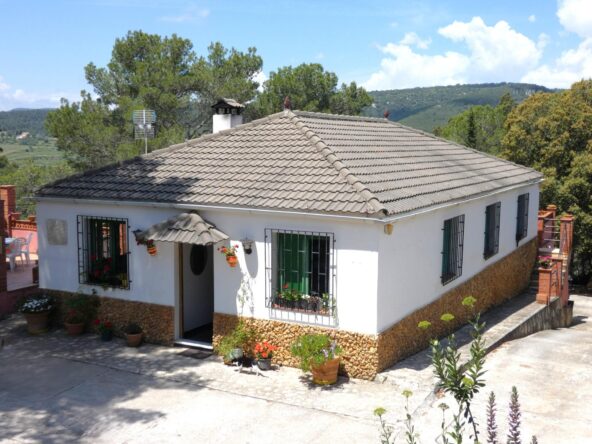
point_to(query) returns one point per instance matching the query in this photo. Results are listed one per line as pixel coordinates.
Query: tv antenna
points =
(144, 120)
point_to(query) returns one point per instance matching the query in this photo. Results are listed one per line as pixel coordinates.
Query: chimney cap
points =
(227, 105)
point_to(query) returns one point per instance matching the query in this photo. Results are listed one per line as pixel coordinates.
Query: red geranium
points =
(103, 326)
(228, 251)
(264, 350)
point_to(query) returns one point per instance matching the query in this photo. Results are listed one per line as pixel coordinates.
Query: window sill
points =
(489, 255)
(447, 279)
(324, 312)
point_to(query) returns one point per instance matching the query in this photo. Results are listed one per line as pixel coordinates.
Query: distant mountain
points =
(20, 120)
(427, 108)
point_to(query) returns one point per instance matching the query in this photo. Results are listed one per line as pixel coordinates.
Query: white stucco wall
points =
(153, 279)
(380, 279)
(410, 260)
(356, 260)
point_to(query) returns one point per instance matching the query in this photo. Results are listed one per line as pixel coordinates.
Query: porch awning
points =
(186, 228)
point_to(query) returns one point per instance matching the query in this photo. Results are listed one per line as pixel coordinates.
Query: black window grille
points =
(522, 217)
(103, 256)
(300, 273)
(452, 250)
(492, 229)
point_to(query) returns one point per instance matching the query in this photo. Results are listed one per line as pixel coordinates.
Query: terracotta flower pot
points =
(232, 261)
(75, 329)
(133, 340)
(326, 373)
(37, 322)
(152, 250)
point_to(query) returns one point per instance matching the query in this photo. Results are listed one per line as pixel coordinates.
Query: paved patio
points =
(60, 389)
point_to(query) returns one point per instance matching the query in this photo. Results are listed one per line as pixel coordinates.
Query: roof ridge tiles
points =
(373, 202)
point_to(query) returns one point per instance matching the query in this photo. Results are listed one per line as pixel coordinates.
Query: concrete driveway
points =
(59, 389)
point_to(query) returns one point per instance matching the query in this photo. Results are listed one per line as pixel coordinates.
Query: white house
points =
(355, 226)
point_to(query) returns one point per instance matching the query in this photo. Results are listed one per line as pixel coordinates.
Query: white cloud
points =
(495, 53)
(320, 56)
(495, 50)
(18, 98)
(576, 16)
(573, 65)
(260, 78)
(191, 14)
(404, 68)
(532, 18)
(412, 39)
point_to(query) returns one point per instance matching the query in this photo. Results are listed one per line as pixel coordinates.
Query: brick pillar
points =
(8, 195)
(553, 209)
(3, 278)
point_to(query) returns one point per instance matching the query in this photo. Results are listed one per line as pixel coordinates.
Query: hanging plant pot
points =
(232, 261)
(151, 250)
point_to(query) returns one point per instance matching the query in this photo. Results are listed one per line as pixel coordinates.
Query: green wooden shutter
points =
(446, 247)
(294, 262)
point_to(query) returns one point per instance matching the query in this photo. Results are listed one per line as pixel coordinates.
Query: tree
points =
(471, 140)
(27, 177)
(310, 88)
(159, 73)
(480, 127)
(553, 134)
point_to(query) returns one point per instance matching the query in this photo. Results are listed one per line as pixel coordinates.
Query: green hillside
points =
(427, 108)
(19, 120)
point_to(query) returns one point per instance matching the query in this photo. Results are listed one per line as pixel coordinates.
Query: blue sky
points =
(44, 45)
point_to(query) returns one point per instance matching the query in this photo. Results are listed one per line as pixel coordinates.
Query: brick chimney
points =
(228, 113)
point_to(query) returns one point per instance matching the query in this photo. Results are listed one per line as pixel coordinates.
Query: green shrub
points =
(242, 336)
(314, 350)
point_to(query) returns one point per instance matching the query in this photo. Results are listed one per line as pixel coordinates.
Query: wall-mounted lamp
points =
(247, 245)
(388, 229)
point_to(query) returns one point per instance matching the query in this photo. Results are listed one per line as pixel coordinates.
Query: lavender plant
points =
(514, 419)
(491, 422)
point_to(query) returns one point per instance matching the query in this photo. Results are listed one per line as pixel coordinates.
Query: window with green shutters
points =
(452, 248)
(103, 251)
(300, 271)
(492, 229)
(522, 217)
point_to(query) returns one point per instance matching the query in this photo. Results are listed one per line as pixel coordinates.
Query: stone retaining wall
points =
(359, 360)
(157, 321)
(502, 280)
(366, 355)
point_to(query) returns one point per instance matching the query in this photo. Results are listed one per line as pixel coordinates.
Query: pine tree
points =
(471, 130)
(514, 419)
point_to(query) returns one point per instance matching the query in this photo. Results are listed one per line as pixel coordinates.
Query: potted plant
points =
(36, 311)
(133, 335)
(545, 262)
(151, 248)
(79, 310)
(74, 322)
(105, 328)
(319, 355)
(263, 353)
(233, 345)
(230, 253)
